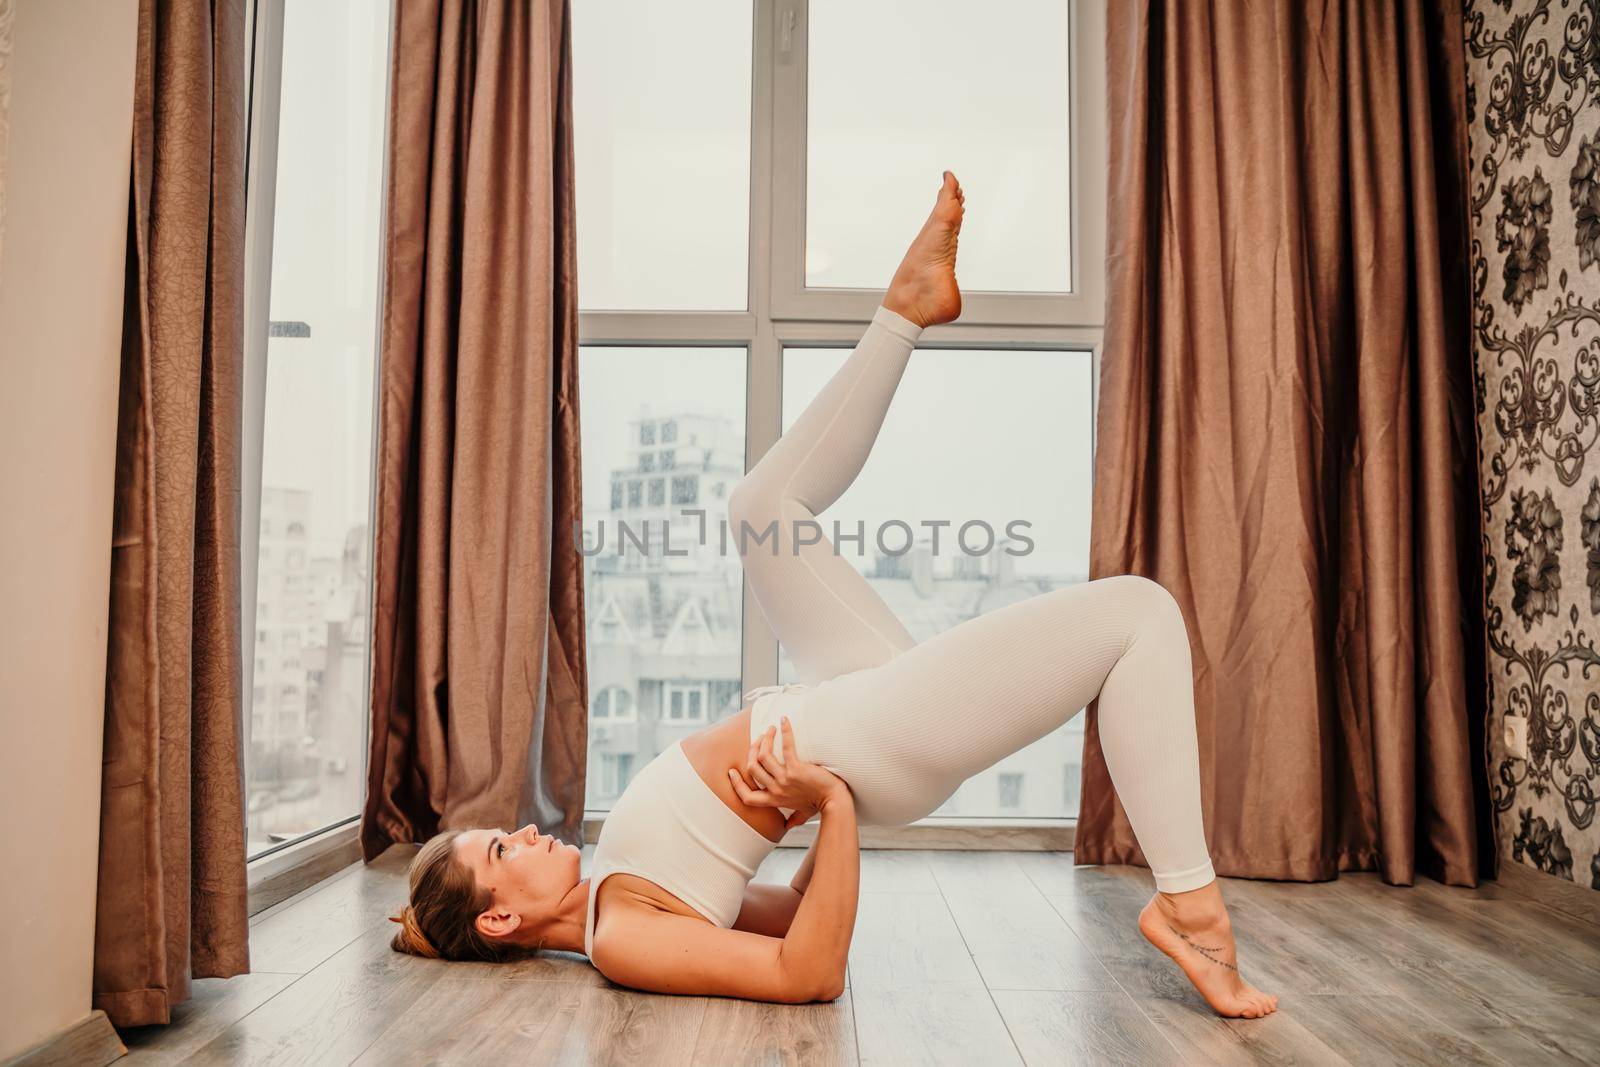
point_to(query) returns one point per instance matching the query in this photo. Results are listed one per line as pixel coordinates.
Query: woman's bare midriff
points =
(716, 748)
(710, 752)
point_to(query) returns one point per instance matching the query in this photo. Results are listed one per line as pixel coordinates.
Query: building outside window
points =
(616, 770)
(1010, 791)
(685, 703)
(613, 703)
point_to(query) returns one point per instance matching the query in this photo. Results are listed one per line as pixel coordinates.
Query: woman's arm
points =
(802, 877)
(769, 909)
(667, 953)
(826, 917)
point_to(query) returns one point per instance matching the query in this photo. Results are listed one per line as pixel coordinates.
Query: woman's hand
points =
(784, 782)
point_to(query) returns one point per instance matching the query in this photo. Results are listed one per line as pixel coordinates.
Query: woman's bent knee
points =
(1143, 605)
(1160, 597)
(751, 510)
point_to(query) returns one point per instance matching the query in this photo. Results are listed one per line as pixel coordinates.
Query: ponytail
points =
(441, 920)
(410, 938)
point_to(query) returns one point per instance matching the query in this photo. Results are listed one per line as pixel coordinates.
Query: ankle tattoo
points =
(1212, 954)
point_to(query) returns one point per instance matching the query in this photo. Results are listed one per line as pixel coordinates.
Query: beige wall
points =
(60, 328)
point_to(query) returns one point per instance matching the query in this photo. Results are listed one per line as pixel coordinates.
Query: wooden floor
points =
(984, 958)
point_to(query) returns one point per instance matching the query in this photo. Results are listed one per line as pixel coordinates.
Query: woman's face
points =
(526, 873)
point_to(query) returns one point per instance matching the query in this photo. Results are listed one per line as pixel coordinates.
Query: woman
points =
(886, 730)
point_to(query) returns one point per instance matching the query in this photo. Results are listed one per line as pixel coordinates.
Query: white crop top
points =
(669, 827)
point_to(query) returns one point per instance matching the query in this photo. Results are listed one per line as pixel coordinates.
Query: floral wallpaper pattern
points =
(1533, 110)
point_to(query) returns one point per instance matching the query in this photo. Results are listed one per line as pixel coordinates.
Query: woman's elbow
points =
(823, 985)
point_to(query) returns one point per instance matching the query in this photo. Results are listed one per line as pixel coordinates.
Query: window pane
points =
(307, 725)
(661, 122)
(885, 119)
(664, 631)
(1022, 452)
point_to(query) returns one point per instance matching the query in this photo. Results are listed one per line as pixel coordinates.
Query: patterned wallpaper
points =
(1533, 108)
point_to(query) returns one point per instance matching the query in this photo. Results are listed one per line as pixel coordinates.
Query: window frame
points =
(781, 313)
(264, 74)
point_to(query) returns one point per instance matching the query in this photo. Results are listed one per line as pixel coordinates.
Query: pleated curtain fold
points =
(172, 894)
(479, 696)
(1286, 433)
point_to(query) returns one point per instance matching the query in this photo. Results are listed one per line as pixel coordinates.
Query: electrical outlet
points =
(1516, 736)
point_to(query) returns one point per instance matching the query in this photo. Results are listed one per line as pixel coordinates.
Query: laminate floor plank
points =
(897, 871)
(1516, 934)
(909, 942)
(1281, 953)
(745, 1032)
(371, 954)
(326, 1017)
(318, 924)
(985, 958)
(1054, 874)
(1018, 941)
(941, 1025)
(1410, 948)
(214, 1004)
(478, 1020)
(1202, 1037)
(1516, 1029)
(978, 872)
(1057, 1027)
(918, 997)
(1523, 930)
(1385, 1029)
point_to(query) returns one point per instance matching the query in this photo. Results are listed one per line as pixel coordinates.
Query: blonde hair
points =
(440, 922)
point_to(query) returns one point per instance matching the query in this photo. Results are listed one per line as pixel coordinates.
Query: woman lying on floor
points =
(883, 731)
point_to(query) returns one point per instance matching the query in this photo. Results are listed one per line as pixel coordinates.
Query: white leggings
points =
(906, 723)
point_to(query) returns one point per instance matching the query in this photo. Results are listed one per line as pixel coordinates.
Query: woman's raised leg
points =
(822, 610)
(907, 733)
(904, 724)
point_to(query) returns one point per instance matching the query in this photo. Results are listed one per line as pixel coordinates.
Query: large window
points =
(315, 185)
(739, 216)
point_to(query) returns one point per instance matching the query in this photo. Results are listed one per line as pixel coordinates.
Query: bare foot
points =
(924, 289)
(1193, 928)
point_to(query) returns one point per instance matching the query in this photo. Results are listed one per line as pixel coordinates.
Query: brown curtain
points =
(479, 698)
(1286, 435)
(171, 902)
